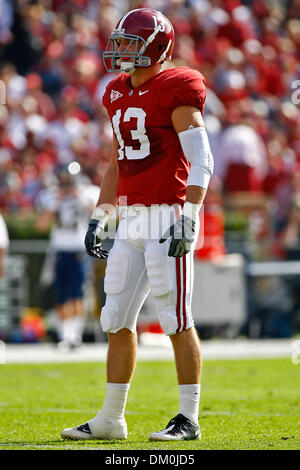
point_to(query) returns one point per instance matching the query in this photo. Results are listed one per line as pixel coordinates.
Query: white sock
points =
(59, 329)
(75, 329)
(71, 329)
(78, 328)
(67, 329)
(114, 403)
(189, 398)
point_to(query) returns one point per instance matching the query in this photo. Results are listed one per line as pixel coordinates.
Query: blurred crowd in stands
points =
(50, 62)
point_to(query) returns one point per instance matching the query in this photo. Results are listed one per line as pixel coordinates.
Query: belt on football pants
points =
(132, 211)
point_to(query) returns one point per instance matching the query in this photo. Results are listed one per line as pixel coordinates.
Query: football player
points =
(162, 163)
(65, 209)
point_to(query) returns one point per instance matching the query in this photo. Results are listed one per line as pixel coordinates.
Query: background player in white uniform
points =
(4, 244)
(66, 210)
(161, 160)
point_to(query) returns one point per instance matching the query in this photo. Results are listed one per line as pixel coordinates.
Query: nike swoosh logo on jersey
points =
(143, 92)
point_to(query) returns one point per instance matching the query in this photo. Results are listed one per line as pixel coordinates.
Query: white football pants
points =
(137, 263)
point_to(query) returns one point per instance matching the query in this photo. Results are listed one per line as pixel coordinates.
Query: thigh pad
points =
(117, 272)
(158, 273)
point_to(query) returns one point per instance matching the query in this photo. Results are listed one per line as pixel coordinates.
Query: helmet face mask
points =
(150, 38)
(125, 60)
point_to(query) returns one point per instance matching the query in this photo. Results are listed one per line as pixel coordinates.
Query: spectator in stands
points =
(6, 20)
(211, 242)
(240, 159)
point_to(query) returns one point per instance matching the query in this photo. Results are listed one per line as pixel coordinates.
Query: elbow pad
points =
(196, 148)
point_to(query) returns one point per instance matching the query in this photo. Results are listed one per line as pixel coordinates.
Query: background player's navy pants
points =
(69, 276)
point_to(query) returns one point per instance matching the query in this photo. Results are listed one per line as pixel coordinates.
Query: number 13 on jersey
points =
(137, 134)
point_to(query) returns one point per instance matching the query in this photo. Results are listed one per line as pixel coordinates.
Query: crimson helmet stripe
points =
(125, 16)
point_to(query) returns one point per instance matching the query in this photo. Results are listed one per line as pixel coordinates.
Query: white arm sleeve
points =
(196, 148)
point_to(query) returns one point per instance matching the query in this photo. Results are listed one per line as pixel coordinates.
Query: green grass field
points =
(245, 404)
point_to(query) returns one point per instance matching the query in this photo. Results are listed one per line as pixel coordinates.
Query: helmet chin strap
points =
(164, 54)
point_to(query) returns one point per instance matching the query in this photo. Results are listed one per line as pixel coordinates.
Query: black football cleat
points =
(179, 428)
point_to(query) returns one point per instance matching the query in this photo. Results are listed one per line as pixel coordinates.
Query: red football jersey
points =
(152, 166)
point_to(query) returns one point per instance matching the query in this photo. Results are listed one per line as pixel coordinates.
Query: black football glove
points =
(92, 240)
(182, 234)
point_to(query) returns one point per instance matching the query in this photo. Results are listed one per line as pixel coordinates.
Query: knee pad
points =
(158, 274)
(168, 320)
(109, 319)
(112, 320)
(117, 272)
